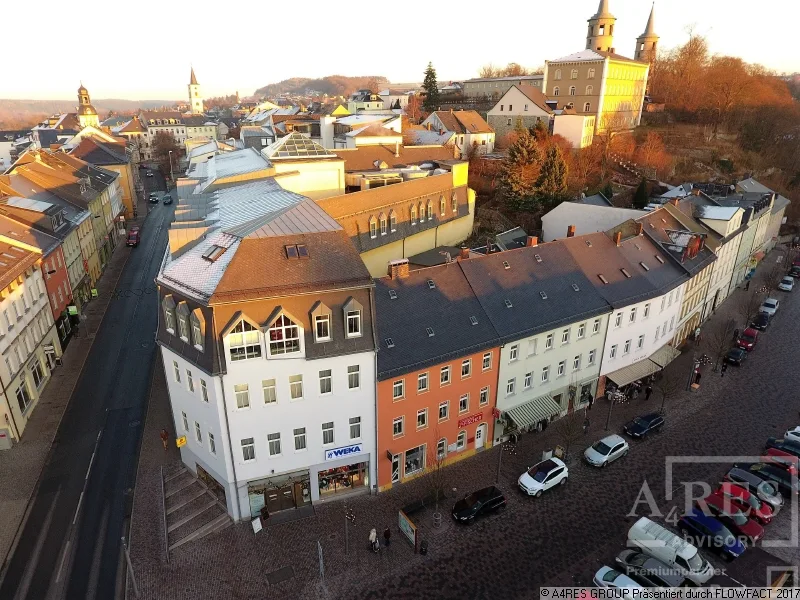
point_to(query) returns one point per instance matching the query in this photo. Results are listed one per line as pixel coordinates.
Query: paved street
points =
(559, 539)
(70, 543)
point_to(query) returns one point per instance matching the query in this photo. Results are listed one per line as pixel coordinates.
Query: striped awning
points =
(664, 355)
(534, 411)
(637, 370)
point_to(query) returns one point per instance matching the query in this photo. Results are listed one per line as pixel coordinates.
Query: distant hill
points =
(333, 85)
(21, 114)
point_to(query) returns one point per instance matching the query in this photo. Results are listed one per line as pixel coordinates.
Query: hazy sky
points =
(143, 50)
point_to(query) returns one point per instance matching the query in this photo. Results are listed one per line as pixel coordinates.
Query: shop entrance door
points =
(287, 497)
(395, 468)
(480, 436)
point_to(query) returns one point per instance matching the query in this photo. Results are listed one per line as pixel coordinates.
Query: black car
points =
(648, 571)
(789, 446)
(761, 322)
(153, 198)
(735, 356)
(167, 199)
(781, 478)
(643, 425)
(478, 503)
(794, 271)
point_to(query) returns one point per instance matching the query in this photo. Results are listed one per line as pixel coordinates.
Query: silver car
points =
(770, 306)
(786, 284)
(607, 450)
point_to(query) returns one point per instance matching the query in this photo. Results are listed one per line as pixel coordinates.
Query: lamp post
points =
(171, 176)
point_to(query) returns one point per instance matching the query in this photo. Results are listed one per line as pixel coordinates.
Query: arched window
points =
(441, 448)
(392, 221)
(430, 210)
(461, 440)
(454, 202)
(198, 329)
(441, 206)
(382, 219)
(572, 90)
(589, 90)
(183, 321)
(284, 337)
(558, 74)
(413, 214)
(421, 212)
(555, 91)
(587, 107)
(373, 227)
(573, 74)
(169, 314)
(244, 342)
(590, 74)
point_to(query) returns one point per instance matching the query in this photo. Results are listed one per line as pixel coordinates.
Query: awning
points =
(534, 411)
(637, 370)
(664, 355)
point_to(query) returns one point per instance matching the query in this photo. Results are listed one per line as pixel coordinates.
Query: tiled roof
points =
(423, 137)
(675, 239)
(100, 153)
(13, 262)
(364, 158)
(534, 95)
(132, 126)
(463, 121)
(517, 78)
(374, 130)
(16, 230)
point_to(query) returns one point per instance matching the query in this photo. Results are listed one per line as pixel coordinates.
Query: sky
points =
(144, 50)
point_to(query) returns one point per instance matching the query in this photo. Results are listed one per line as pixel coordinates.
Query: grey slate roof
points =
(511, 239)
(597, 199)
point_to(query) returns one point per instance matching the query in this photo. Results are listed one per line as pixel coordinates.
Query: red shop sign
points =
(470, 420)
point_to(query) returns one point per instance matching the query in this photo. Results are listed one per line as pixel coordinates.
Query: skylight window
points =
(543, 295)
(538, 257)
(291, 251)
(302, 250)
(637, 246)
(659, 259)
(603, 278)
(473, 320)
(430, 331)
(644, 266)
(589, 243)
(508, 304)
(625, 272)
(392, 295)
(389, 343)
(213, 253)
(431, 284)
(575, 287)
(506, 265)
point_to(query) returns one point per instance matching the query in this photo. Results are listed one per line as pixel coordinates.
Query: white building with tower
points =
(195, 95)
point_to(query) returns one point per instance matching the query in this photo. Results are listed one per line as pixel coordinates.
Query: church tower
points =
(601, 29)
(195, 97)
(87, 115)
(647, 43)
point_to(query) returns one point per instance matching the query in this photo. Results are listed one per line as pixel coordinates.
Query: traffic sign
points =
(181, 441)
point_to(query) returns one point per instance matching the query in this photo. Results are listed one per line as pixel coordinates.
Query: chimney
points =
(531, 241)
(696, 192)
(397, 149)
(451, 111)
(463, 253)
(674, 202)
(612, 50)
(618, 238)
(398, 269)
(429, 125)
(441, 131)
(639, 228)
(571, 231)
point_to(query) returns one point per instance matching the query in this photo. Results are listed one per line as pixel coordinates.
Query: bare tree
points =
(718, 340)
(569, 430)
(435, 470)
(748, 306)
(773, 275)
(487, 71)
(668, 385)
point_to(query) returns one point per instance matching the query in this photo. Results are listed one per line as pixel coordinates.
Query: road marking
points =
(99, 433)
(89, 470)
(77, 510)
(63, 560)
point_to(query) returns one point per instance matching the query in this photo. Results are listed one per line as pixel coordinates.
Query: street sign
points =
(94, 293)
(72, 310)
(181, 441)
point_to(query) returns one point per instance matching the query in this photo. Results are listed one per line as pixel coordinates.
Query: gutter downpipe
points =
(375, 379)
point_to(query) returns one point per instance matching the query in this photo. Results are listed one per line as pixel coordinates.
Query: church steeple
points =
(192, 78)
(601, 29)
(195, 97)
(87, 115)
(647, 43)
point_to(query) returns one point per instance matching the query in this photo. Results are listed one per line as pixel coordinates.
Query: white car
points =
(793, 434)
(543, 476)
(607, 450)
(606, 577)
(770, 306)
(786, 284)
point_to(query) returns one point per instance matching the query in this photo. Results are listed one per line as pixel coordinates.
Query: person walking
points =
(747, 286)
(387, 534)
(697, 337)
(164, 438)
(724, 368)
(648, 392)
(735, 335)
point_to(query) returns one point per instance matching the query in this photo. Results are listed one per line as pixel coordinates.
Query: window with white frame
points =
(373, 227)
(353, 377)
(413, 214)
(627, 347)
(185, 421)
(592, 354)
(355, 428)
(658, 332)
(548, 342)
(421, 212)
(562, 367)
(487, 361)
(197, 330)
(24, 398)
(483, 399)
(248, 449)
(353, 323)
(466, 368)
(581, 330)
(565, 336)
(283, 336)
(244, 342)
(672, 323)
(183, 325)
(398, 426)
(212, 444)
(398, 389)
(299, 439)
(646, 310)
(296, 387)
(545, 374)
(576, 363)
(242, 393)
(528, 382)
(327, 433)
(511, 385)
(463, 403)
(640, 342)
(596, 326)
(513, 353)
(444, 375)
(325, 381)
(632, 318)
(573, 74)
(444, 410)
(274, 443)
(198, 435)
(430, 210)
(322, 327)
(442, 206)
(618, 320)
(441, 448)
(422, 418)
(422, 382)
(382, 221)
(454, 202)
(169, 314)
(175, 368)
(270, 391)
(392, 221)
(613, 353)
(189, 380)
(461, 440)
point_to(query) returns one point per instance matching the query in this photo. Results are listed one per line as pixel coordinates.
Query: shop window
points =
(461, 440)
(300, 439)
(327, 433)
(415, 460)
(242, 392)
(244, 342)
(284, 337)
(248, 450)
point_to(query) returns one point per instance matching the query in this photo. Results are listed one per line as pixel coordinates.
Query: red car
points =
(133, 236)
(747, 502)
(721, 508)
(781, 459)
(748, 339)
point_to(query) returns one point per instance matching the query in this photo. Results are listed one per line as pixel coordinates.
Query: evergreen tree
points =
(520, 168)
(642, 196)
(540, 131)
(431, 88)
(608, 191)
(551, 185)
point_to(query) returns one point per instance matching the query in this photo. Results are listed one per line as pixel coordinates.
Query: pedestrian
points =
(697, 337)
(387, 534)
(697, 377)
(724, 368)
(648, 392)
(164, 438)
(586, 424)
(590, 398)
(735, 335)
(747, 286)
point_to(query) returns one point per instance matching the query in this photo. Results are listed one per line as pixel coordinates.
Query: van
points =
(660, 543)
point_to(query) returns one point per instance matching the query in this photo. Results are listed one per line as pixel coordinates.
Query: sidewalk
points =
(21, 466)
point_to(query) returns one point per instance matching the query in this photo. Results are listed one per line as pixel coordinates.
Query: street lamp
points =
(171, 176)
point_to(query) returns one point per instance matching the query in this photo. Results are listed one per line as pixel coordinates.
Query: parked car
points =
(794, 271)
(153, 198)
(744, 499)
(167, 199)
(730, 515)
(736, 356)
(793, 434)
(761, 322)
(607, 450)
(606, 577)
(707, 532)
(786, 284)
(478, 504)
(766, 491)
(782, 479)
(748, 339)
(149, 173)
(770, 306)
(786, 444)
(543, 476)
(782, 460)
(641, 426)
(648, 571)
(133, 237)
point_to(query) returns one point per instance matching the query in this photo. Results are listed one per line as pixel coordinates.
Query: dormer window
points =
(168, 305)
(198, 329)
(421, 212)
(382, 220)
(244, 342)
(183, 321)
(283, 337)
(441, 205)
(57, 220)
(322, 328)
(392, 221)
(413, 214)
(430, 210)
(373, 228)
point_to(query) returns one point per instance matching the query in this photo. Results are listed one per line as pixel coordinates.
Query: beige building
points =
(519, 107)
(494, 87)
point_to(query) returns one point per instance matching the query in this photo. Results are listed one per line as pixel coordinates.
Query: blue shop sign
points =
(344, 451)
